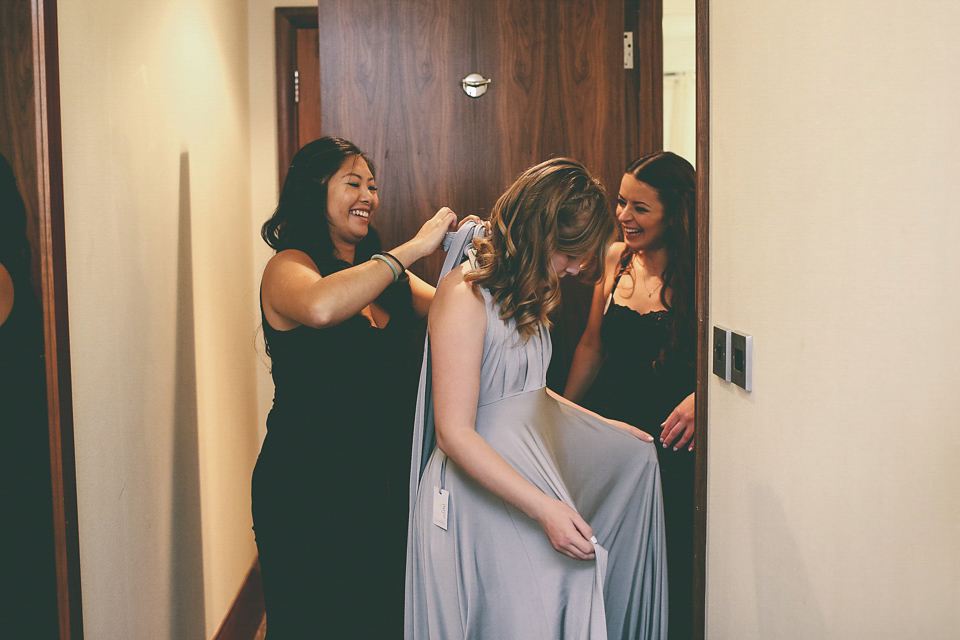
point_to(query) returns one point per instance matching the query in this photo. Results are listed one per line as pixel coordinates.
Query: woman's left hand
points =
(679, 425)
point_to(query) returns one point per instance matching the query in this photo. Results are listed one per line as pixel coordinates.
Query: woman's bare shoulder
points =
(456, 295)
(614, 252)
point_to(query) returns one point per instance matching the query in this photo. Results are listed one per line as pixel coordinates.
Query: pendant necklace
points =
(644, 279)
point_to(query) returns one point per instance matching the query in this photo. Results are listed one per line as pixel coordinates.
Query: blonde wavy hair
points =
(553, 207)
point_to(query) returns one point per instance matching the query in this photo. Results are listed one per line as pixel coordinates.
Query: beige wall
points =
(156, 129)
(833, 509)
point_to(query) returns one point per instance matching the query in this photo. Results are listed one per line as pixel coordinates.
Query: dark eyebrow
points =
(355, 175)
(633, 202)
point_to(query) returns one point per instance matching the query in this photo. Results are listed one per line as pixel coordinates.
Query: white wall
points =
(833, 509)
(156, 129)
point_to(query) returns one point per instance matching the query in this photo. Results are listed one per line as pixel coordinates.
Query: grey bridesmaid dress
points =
(492, 574)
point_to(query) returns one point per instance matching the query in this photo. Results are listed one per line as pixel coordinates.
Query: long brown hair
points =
(555, 206)
(674, 179)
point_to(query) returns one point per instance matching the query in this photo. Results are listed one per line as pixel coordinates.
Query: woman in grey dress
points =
(532, 518)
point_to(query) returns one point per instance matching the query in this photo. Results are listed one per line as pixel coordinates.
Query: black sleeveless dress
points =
(331, 482)
(629, 387)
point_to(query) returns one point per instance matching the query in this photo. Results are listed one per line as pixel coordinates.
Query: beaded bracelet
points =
(388, 262)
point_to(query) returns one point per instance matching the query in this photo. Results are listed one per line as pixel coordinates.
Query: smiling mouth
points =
(360, 213)
(632, 232)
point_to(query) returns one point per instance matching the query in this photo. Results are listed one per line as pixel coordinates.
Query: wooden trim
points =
(53, 269)
(246, 613)
(703, 320)
(287, 21)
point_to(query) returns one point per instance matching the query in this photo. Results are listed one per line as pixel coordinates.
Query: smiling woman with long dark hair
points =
(330, 485)
(637, 354)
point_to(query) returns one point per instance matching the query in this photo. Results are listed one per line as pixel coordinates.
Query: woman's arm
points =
(293, 292)
(588, 356)
(456, 324)
(422, 294)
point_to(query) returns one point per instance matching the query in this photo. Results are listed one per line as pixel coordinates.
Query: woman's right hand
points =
(567, 531)
(433, 230)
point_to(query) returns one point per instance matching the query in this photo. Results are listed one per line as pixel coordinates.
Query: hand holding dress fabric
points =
(567, 531)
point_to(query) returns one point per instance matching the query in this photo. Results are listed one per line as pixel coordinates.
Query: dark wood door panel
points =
(389, 74)
(390, 81)
(309, 114)
(557, 83)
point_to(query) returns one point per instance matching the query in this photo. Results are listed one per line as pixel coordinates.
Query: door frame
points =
(702, 302)
(53, 274)
(287, 21)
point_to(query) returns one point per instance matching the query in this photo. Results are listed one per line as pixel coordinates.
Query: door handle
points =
(474, 85)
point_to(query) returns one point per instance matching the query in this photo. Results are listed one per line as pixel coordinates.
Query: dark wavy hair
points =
(555, 206)
(675, 181)
(300, 220)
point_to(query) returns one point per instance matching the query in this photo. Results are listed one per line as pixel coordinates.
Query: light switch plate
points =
(741, 360)
(721, 353)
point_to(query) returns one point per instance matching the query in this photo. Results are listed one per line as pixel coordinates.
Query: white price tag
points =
(441, 502)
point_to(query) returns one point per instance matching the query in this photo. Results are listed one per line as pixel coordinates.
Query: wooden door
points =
(391, 74)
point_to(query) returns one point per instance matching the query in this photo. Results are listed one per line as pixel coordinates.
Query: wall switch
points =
(741, 360)
(721, 353)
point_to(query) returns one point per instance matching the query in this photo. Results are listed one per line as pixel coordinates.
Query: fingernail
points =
(674, 448)
(593, 539)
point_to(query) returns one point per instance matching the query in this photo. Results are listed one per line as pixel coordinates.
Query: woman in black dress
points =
(330, 485)
(636, 359)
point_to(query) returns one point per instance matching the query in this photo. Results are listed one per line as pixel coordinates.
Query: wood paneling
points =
(702, 293)
(30, 138)
(288, 21)
(557, 89)
(56, 320)
(308, 105)
(645, 84)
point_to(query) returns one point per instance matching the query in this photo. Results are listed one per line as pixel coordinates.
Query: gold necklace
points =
(643, 278)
